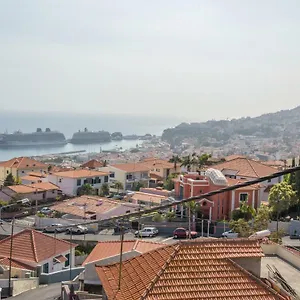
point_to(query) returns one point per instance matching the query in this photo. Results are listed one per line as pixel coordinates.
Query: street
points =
(49, 292)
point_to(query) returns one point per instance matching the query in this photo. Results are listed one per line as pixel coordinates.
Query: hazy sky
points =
(194, 59)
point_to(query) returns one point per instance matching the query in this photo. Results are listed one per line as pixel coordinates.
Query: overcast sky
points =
(194, 59)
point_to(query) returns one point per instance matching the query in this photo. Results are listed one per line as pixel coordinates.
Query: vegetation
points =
(86, 189)
(118, 186)
(169, 183)
(244, 212)
(137, 186)
(170, 216)
(104, 190)
(9, 180)
(3, 203)
(157, 217)
(175, 159)
(259, 220)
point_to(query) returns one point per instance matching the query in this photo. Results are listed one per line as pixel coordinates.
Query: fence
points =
(18, 285)
(60, 276)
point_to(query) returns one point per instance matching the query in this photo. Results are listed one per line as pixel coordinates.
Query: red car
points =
(182, 233)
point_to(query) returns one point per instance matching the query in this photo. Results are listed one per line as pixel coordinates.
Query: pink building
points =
(219, 206)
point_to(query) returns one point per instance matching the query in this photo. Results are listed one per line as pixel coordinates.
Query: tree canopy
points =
(281, 197)
(86, 189)
(9, 180)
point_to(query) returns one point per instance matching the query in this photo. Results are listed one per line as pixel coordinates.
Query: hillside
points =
(279, 127)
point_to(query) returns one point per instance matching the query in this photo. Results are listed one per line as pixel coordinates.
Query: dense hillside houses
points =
(21, 166)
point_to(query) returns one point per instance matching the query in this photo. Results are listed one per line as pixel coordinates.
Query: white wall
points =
(67, 185)
(120, 175)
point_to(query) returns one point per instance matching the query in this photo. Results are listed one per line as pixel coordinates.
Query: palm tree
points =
(192, 207)
(186, 162)
(203, 160)
(118, 185)
(175, 159)
(104, 189)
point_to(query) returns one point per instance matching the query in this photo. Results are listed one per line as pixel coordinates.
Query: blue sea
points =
(70, 123)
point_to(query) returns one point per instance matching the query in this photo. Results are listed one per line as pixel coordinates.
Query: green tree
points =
(241, 226)
(118, 186)
(262, 218)
(104, 162)
(281, 197)
(203, 160)
(243, 212)
(297, 190)
(86, 189)
(187, 162)
(157, 217)
(175, 159)
(137, 186)
(9, 180)
(104, 189)
(192, 207)
(169, 184)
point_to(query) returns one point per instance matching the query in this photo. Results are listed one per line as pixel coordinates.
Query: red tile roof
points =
(15, 264)
(81, 173)
(246, 167)
(132, 167)
(92, 164)
(232, 181)
(33, 246)
(23, 163)
(199, 269)
(31, 188)
(107, 249)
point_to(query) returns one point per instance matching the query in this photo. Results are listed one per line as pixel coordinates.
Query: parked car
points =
(79, 229)
(182, 233)
(230, 234)
(54, 227)
(146, 232)
(46, 211)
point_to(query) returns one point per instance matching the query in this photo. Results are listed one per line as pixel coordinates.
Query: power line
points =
(186, 200)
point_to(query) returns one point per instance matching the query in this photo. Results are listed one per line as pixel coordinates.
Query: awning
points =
(60, 259)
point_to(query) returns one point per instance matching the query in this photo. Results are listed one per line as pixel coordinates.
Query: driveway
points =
(49, 292)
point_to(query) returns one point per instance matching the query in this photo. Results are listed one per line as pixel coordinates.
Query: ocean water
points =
(70, 123)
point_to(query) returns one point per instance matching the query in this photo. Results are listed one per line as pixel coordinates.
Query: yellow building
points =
(21, 166)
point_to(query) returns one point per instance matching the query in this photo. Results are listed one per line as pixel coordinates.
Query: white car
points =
(230, 234)
(146, 232)
(79, 229)
(54, 227)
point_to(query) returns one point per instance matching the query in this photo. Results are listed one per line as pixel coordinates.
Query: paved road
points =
(49, 292)
(287, 241)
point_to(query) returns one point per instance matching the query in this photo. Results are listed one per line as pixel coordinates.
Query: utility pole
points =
(10, 256)
(189, 221)
(121, 256)
(70, 260)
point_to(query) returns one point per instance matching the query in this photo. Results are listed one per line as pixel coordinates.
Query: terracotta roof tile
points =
(81, 173)
(93, 205)
(23, 163)
(147, 197)
(246, 167)
(15, 264)
(31, 188)
(199, 269)
(159, 163)
(232, 181)
(132, 167)
(92, 164)
(33, 246)
(112, 248)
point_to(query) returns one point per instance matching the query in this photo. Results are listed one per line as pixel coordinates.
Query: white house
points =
(129, 173)
(70, 181)
(38, 251)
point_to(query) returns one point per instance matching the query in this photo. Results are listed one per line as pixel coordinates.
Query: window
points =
(112, 175)
(67, 262)
(78, 182)
(97, 180)
(269, 180)
(129, 176)
(59, 180)
(105, 178)
(46, 268)
(23, 172)
(7, 172)
(243, 197)
(157, 170)
(85, 181)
